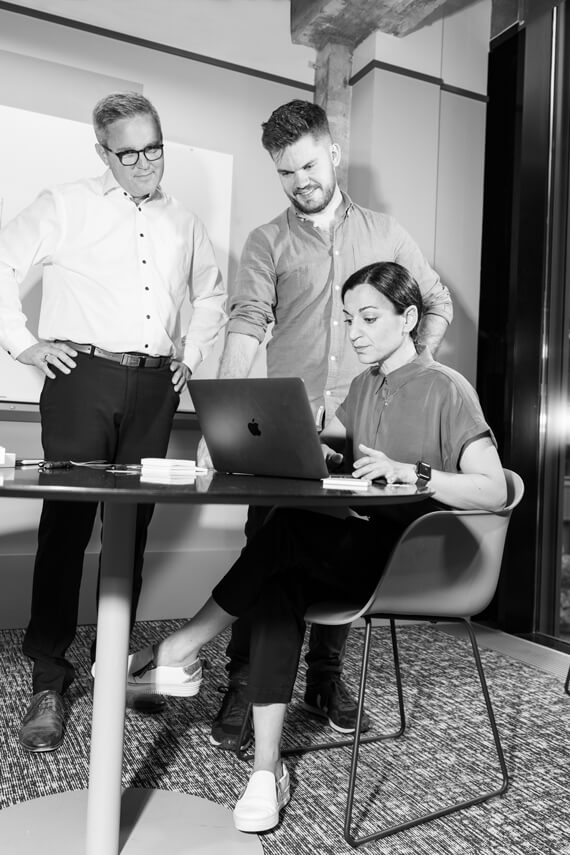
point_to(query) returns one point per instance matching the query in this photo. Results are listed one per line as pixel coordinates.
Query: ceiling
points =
(251, 33)
(257, 33)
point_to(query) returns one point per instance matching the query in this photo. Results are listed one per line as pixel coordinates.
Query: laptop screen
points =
(259, 426)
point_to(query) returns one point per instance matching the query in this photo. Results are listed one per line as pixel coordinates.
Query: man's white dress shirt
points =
(115, 273)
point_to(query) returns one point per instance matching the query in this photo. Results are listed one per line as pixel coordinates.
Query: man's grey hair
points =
(121, 105)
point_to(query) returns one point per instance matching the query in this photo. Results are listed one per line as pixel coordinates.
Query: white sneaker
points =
(181, 681)
(258, 807)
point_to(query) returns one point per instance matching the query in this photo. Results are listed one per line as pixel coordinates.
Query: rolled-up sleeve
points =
(28, 239)
(435, 295)
(253, 297)
(208, 299)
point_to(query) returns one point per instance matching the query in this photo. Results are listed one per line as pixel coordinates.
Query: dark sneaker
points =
(228, 722)
(333, 701)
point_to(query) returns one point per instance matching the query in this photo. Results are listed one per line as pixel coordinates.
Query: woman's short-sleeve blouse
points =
(421, 411)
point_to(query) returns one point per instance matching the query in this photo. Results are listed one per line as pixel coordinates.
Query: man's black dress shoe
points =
(42, 725)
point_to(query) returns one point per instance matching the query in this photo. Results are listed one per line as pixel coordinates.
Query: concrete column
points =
(333, 94)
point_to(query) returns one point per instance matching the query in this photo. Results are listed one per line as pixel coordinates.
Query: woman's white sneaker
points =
(258, 807)
(181, 681)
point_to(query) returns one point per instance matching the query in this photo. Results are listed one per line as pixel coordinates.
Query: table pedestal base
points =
(152, 822)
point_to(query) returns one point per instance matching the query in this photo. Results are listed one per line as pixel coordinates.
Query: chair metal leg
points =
(567, 683)
(349, 741)
(396, 654)
(357, 741)
(359, 841)
(364, 740)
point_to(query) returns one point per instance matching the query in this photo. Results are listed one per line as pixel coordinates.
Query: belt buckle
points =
(132, 361)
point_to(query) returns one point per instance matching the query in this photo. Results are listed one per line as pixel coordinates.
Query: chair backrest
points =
(446, 564)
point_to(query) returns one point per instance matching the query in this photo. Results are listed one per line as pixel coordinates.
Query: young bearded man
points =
(290, 275)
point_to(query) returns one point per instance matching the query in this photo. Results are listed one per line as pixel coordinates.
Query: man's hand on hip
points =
(181, 374)
(48, 355)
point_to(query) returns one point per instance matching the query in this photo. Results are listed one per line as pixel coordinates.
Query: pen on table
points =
(30, 462)
(124, 467)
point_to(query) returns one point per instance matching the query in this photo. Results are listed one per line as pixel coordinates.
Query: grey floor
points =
(173, 752)
(551, 661)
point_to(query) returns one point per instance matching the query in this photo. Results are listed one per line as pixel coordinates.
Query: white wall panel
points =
(466, 47)
(459, 223)
(362, 140)
(419, 51)
(404, 127)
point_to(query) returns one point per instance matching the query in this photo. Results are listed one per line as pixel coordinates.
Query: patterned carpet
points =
(443, 754)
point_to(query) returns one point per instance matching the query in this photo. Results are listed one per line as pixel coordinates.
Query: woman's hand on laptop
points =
(375, 464)
(203, 455)
(333, 459)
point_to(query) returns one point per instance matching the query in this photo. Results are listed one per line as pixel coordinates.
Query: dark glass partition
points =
(524, 345)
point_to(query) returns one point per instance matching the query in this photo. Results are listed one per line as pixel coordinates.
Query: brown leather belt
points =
(130, 360)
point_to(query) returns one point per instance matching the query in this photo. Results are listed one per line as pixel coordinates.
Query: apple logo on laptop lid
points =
(253, 428)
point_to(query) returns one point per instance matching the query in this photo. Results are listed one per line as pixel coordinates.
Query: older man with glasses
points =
(119, 257)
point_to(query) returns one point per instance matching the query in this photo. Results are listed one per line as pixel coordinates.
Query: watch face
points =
(423, 471)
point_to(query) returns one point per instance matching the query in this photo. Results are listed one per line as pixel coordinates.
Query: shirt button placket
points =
(336, 328)
(143, 252)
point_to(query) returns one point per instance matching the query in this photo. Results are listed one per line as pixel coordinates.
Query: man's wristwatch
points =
(423, 473)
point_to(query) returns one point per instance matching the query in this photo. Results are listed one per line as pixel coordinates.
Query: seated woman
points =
(404, 409)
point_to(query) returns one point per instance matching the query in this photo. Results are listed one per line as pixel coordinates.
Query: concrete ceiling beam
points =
(317, 22)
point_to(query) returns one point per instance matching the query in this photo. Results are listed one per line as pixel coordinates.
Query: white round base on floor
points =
(153, 822)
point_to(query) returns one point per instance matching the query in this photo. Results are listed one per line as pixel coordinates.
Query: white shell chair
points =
(445, 567)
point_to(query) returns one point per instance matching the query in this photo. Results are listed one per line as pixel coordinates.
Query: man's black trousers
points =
(100, 411)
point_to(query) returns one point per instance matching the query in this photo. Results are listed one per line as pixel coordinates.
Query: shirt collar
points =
(347, 206)
(402, 375)
(109, 184)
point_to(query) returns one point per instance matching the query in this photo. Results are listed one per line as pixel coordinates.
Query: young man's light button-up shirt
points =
(291, 273)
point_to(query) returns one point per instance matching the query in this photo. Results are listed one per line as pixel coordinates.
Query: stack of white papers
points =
(7, 458)
(346, 482)
(161, 470)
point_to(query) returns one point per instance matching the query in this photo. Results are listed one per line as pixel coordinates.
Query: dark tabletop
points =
(85, 484)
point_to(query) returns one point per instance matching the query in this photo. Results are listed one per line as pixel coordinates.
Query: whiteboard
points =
(38, 151)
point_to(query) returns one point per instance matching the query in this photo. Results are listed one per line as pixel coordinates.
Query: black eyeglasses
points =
(131, 157)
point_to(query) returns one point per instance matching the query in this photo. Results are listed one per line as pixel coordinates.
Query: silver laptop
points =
(259, 426)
